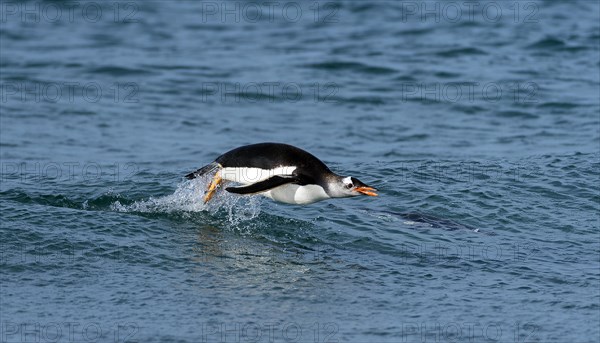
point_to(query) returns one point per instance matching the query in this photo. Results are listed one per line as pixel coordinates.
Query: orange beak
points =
(370, 191)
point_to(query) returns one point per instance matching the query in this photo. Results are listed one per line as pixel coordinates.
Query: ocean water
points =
(477, 121)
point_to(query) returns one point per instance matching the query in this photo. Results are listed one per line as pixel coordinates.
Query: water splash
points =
(188, 197)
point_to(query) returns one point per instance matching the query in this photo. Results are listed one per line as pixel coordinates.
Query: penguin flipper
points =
(262, 186)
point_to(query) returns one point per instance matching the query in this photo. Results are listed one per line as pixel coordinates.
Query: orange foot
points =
(216, 181)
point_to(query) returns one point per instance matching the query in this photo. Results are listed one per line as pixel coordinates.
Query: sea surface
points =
(479, 123)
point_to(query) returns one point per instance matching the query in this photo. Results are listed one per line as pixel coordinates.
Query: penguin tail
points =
(204, 170)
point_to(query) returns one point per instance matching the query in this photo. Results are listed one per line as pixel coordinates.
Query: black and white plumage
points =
(281, 172)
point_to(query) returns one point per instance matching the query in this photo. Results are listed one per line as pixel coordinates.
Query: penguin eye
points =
(349, 185)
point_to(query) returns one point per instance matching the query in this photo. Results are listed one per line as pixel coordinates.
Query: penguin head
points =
(350, 187)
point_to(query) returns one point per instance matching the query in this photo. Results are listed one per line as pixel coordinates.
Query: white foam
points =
(189, 197)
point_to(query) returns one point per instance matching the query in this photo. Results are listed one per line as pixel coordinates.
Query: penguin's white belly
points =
(248, 176)
(296, 194)
(288, 193)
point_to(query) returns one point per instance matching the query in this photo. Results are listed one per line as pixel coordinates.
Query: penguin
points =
(281, 172)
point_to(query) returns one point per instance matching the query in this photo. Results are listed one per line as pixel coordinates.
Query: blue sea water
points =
(479, 123)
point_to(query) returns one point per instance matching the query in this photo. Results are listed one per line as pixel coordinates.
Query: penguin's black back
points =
(271, 155)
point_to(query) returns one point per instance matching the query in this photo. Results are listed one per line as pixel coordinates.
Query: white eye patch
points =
(347, 180)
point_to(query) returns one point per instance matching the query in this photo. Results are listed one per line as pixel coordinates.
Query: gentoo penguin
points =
(281, 172)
